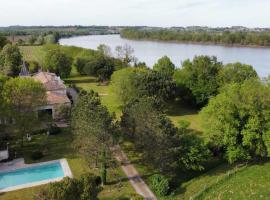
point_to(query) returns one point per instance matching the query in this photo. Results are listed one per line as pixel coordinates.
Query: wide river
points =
(150, 51)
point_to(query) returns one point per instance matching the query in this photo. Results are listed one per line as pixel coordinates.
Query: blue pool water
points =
(31, 175)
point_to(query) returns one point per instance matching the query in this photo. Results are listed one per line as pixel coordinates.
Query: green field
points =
(60, 146)
(33, 53)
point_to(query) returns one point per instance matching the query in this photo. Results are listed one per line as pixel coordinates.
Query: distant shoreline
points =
(200, 43)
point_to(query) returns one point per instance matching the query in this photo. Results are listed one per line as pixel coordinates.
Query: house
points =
(56, 94)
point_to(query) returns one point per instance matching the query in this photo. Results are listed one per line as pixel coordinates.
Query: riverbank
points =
(197, 43)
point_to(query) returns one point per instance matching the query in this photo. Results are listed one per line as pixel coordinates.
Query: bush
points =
(84, 188)
(54, 130)
(160, 184)
(184, 124)
(36, 155)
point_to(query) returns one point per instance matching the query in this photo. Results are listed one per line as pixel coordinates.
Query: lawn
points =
(219, 181)
(60, 146)
(253, 182)
(33, 53)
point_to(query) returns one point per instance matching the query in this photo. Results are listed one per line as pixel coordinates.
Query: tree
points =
(151, 131)
(22, 96)
(164, 65)
(32, 39)
(192, 151)
(96, 65)
(93, 129)
(236, 73)
(58, 62)
(105, 50)
(200, 77)
(163, 146)
(125, 53)
(10, 60)
(157, 84)
(84, 188)
(123, 85)
(3, 41)
(237, 121)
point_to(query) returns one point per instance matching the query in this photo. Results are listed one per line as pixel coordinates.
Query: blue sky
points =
(251, 13)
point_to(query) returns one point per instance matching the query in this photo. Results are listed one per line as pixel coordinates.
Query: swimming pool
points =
(32, 175)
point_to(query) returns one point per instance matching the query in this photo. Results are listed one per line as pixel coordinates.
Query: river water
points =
(150, 51)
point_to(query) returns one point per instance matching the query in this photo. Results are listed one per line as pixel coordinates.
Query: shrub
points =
(54, 130)
(84, 188)
(184, 124)
(36, 155)
(160, 184)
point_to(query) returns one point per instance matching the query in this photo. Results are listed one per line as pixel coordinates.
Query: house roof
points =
(56, 98)
(50, 81)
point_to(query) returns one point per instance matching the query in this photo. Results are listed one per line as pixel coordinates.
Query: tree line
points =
(224, 38)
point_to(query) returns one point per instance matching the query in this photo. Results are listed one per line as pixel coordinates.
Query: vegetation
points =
(164, 65)
(84, 188)
(99, 64)
(158, 130)
(236, 73)
(162, 145)
(222, 37)
(58, 62)
(237, 121)
(159, 184)
(93, 130)
(10, 60)
(198, 79)
(3, 41)
(21, 97)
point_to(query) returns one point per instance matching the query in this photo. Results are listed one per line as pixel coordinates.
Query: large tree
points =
(22, 96)
(164, 65)
(237, 121)
(123, 83)
(58, 62)
(3, 41)
(156, 84)
(10, 60)
(125, 53)
(163, 146)
(236, 73)
(200, 77)
(93, 128)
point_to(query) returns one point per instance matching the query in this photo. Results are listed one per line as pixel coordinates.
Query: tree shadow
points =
(80, 80)
(176, 108)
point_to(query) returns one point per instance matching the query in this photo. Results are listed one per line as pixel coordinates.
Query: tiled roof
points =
(56, 98)
(50, 81)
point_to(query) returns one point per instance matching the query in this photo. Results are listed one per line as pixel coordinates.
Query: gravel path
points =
(134, 177)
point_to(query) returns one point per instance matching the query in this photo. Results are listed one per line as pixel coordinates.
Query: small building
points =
(56, 94)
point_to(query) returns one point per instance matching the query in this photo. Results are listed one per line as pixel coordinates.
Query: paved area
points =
(134, 177)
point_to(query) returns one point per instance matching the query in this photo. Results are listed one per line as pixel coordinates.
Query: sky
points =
(163, 13)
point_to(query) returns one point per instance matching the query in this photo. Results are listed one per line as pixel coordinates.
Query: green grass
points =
(107, 97)
(60, 146)
(33, 53)
(221, 182)
(253, 182)
(177, 112)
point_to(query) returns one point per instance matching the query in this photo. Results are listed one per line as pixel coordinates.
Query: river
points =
(150, 51)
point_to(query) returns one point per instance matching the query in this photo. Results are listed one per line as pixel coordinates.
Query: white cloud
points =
(136, 12)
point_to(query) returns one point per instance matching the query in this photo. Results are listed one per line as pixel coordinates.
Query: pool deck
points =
(19, 164)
